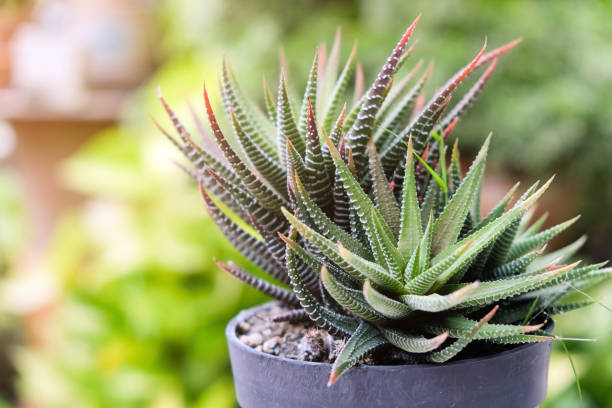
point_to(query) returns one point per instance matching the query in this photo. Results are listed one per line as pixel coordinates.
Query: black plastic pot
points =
(512, 379)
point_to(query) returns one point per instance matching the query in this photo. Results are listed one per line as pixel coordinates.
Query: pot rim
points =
(230, 334)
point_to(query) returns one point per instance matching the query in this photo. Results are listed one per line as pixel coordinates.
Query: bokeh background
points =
(108, 292)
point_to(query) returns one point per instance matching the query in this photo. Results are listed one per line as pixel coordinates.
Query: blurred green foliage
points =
(141, 319)
(143, 311)
(12, 223)
(12, 217)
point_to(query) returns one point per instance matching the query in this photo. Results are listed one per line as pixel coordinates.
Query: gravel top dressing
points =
(299, 341)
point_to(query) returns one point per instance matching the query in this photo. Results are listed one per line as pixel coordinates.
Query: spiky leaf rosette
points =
(363, 217)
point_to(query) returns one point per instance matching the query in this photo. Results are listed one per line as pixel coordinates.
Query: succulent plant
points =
(366, 221)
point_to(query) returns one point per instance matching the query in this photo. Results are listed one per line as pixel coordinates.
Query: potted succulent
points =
(386, 272)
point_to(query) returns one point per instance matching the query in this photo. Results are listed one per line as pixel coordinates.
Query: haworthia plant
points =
(366, 222)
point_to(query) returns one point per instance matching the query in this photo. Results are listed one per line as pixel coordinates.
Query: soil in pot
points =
(303, 341)
(299, 341)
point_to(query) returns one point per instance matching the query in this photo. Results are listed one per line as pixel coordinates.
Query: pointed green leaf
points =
(524, 245)
(452, 350)
(268, 198)
(361, 131)
(328, 72)
(252, 248)
(576, 275)
(438, 303)
(323, 223)
(498, 254)
(371, 271)
(339, 89)
(335, 137)
(365, 339)
(285, 124)
(306, 256)
(410, 219)
(383, 196)
(438, 179)
(350, 299)
(421, 126)
(563, 254)
(316, 173)
(455, 169)
(493, 291)
(310, 94)
(322, 317)
(295, 163)
(482, 238)
(383, 304)
(424, 281)
(384, 249)
(522, 338)
(425, 247)
(251, 119)
(448, 225)
(433, 194)
(412, 267)
(270, 103)
(460, 326)
(491, 231)
(515, 267)
(265, 164)
(466, 102)
(413, 343)
(267, 288)
(324, 245)
(379, 235)
(569, 307)
(501, 247)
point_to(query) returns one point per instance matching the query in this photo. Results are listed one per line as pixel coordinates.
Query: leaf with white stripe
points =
(438, 303)
(365, 339)
(448, 225)
(410, 218)
(458, 345)
(310, 94)
(413, 343)
(285, 124)
(361, 130)
(350, 299)
(383, 304)
(372, 271)
(383, 196)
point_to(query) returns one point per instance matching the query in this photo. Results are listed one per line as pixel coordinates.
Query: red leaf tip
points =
(409, 31)
(222, 265)
(450, 127)
(332, 377)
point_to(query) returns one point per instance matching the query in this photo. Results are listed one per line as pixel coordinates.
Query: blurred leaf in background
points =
(12, 217)
(143, 311)
(12, 223)
(140, 322)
